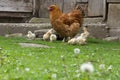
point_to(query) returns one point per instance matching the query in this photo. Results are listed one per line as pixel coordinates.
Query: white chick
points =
(46, 36)
(81, 40)
(72, 41)
(30, 35)
(85, 34)
(83, 37)
(53, 37)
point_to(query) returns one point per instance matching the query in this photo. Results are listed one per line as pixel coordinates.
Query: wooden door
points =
(92, 8)
(16, 5)
(95, 7)
(16, 8)
(68, 5)
(43, 12)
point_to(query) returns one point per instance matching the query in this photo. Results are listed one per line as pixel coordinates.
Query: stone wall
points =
(114, 19)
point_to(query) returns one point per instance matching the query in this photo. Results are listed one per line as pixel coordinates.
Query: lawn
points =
(58, 62)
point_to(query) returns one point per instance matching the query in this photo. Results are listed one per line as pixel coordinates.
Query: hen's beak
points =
(49, 9)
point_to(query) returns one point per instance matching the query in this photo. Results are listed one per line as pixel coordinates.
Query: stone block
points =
(97, 30)
(10, 28)
(114, 19)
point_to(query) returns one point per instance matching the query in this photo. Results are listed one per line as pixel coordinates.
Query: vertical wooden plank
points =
(16, 5)
(95, 7)
(104, 9)
(113, 1)
(83, 1)
(43, 12)
(36, 5)
(68, 5)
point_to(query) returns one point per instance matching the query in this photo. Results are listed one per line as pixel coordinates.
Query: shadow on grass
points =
(94, 41)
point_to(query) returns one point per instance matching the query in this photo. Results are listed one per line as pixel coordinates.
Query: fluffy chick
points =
(46, 36)
(53, 37)
(83, 37)
(80, 40)
(85, 34)
(72, 41)
(30, 35)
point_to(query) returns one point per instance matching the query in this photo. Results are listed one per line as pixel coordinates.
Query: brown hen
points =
(66, 25)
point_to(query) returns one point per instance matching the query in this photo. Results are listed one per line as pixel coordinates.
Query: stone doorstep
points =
(115, 38)
(38, 25)
(46, 20)
(97, 30)
(10, 28)
(114, 19)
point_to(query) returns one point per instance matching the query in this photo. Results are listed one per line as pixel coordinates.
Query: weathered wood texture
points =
(104, 10)
(113, 1)
(65, 5)
(68, 5)
(16, 5)
(43, 12)
(14, 14)
(95, 7)
(82, 1)
(36, 6)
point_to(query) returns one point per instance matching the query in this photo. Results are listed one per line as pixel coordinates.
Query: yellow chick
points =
(46, 36)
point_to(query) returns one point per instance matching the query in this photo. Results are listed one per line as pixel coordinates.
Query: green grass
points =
(18, 63)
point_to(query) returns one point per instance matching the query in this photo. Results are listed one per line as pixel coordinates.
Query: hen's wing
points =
(65, 30)
(76, 16)
(74, 29)
(65, 19)
(60, 27)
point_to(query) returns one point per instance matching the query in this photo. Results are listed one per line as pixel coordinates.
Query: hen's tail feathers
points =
(78, 7)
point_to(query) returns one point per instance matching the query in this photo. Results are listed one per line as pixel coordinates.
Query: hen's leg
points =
(66, 39)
